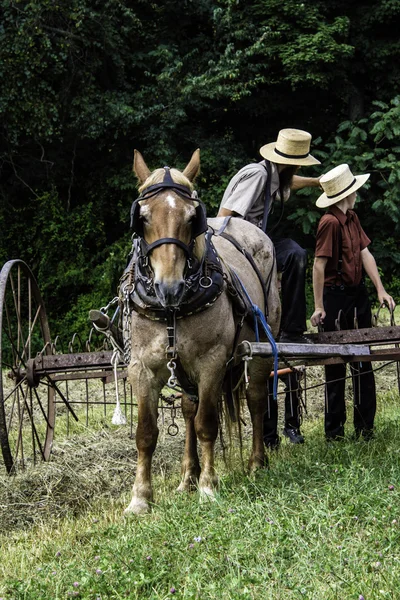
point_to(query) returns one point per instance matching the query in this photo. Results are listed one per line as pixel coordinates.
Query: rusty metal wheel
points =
(27, 403)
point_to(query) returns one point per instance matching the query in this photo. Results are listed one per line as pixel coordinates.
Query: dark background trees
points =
(84, 82)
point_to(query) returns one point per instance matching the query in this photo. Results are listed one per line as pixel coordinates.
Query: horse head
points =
(171, 224)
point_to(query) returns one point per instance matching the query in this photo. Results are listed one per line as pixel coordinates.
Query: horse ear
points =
(140, 168)
(192, 169)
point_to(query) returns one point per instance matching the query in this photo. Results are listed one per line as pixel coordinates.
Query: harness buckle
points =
(144, 261)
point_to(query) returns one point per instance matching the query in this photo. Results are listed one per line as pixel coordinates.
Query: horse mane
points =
(157, 176)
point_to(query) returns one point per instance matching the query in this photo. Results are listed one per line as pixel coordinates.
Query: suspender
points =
(340, 256)
(267, 201)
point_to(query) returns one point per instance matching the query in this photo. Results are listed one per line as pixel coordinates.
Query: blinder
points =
(199, 224)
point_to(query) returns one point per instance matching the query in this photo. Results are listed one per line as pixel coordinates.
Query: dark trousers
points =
(291, 261)
(364, 393)
(292, 408)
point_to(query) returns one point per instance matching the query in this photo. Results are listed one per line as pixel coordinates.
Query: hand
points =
(386, 300)
(318, 316)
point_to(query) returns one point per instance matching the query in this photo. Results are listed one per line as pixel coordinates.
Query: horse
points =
(182, 313)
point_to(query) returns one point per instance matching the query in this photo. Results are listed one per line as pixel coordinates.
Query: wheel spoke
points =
(29, 338)
(42, 409)
(14, 389)
(9, 334)
(19, 439)
(35, 436)
(34, 430)
(16, 351)
(17, 306)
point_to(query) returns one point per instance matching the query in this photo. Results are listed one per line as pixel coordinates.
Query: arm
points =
(319, 313)
(225, 212)
(299, 182)
(244, 190)
(371, 269)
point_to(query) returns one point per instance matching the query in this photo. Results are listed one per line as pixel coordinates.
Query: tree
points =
(85, 82)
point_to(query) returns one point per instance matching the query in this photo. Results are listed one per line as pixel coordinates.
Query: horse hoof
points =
(258, 464)
(137, 507)
(189, 484)
(207, 494)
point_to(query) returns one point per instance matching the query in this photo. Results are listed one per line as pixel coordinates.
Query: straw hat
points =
(291, 148)
(339, 183)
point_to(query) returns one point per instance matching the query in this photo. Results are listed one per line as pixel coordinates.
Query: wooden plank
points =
(78, 361)
(370, 335)
(380, 354)
(107, 375)
(302, 350)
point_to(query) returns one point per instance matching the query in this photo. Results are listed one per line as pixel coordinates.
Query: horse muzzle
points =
(170, 294)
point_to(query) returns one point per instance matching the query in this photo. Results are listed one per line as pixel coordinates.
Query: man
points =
(292, 418)
(341, 255)
(251, 194)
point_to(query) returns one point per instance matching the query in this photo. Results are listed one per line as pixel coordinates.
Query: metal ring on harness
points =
(203, 284)
(173, 429)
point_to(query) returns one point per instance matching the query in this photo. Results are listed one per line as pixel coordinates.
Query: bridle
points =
(203, 277)
(199, 225)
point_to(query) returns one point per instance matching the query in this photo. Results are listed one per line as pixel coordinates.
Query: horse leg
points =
(257, 403)
(190, 462)
(146, 441)
(206, 425)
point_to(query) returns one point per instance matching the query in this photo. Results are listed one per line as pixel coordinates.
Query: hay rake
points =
(39, 380)
(39, 376)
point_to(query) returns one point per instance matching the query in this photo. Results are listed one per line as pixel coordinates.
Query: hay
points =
(82, 469)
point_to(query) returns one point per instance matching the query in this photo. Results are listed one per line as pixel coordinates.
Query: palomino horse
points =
(181, 298)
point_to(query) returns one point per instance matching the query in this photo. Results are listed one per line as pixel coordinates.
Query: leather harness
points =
(204, 279)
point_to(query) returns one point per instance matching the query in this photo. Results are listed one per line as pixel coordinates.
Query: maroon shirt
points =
(354, 240)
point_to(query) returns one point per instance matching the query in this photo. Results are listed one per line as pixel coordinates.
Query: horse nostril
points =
(169, 294)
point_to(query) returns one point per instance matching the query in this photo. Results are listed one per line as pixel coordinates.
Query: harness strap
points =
(171, 333)
(177, 371)
(253, 264)
(168, 183)
(259, 317)
(223, 226)
(147, 248)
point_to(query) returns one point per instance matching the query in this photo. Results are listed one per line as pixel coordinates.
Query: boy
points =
(341, 254)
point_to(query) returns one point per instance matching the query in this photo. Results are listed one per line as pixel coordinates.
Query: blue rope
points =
(259, 317)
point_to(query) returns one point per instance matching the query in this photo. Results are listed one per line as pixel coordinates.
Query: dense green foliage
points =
(85, 82)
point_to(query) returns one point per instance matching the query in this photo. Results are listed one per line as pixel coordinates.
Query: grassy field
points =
(322, 523)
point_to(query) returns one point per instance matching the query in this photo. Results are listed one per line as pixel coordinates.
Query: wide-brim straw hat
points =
(338, 183)
(291, 148)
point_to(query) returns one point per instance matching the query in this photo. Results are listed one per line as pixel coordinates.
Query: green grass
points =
(322, 523)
